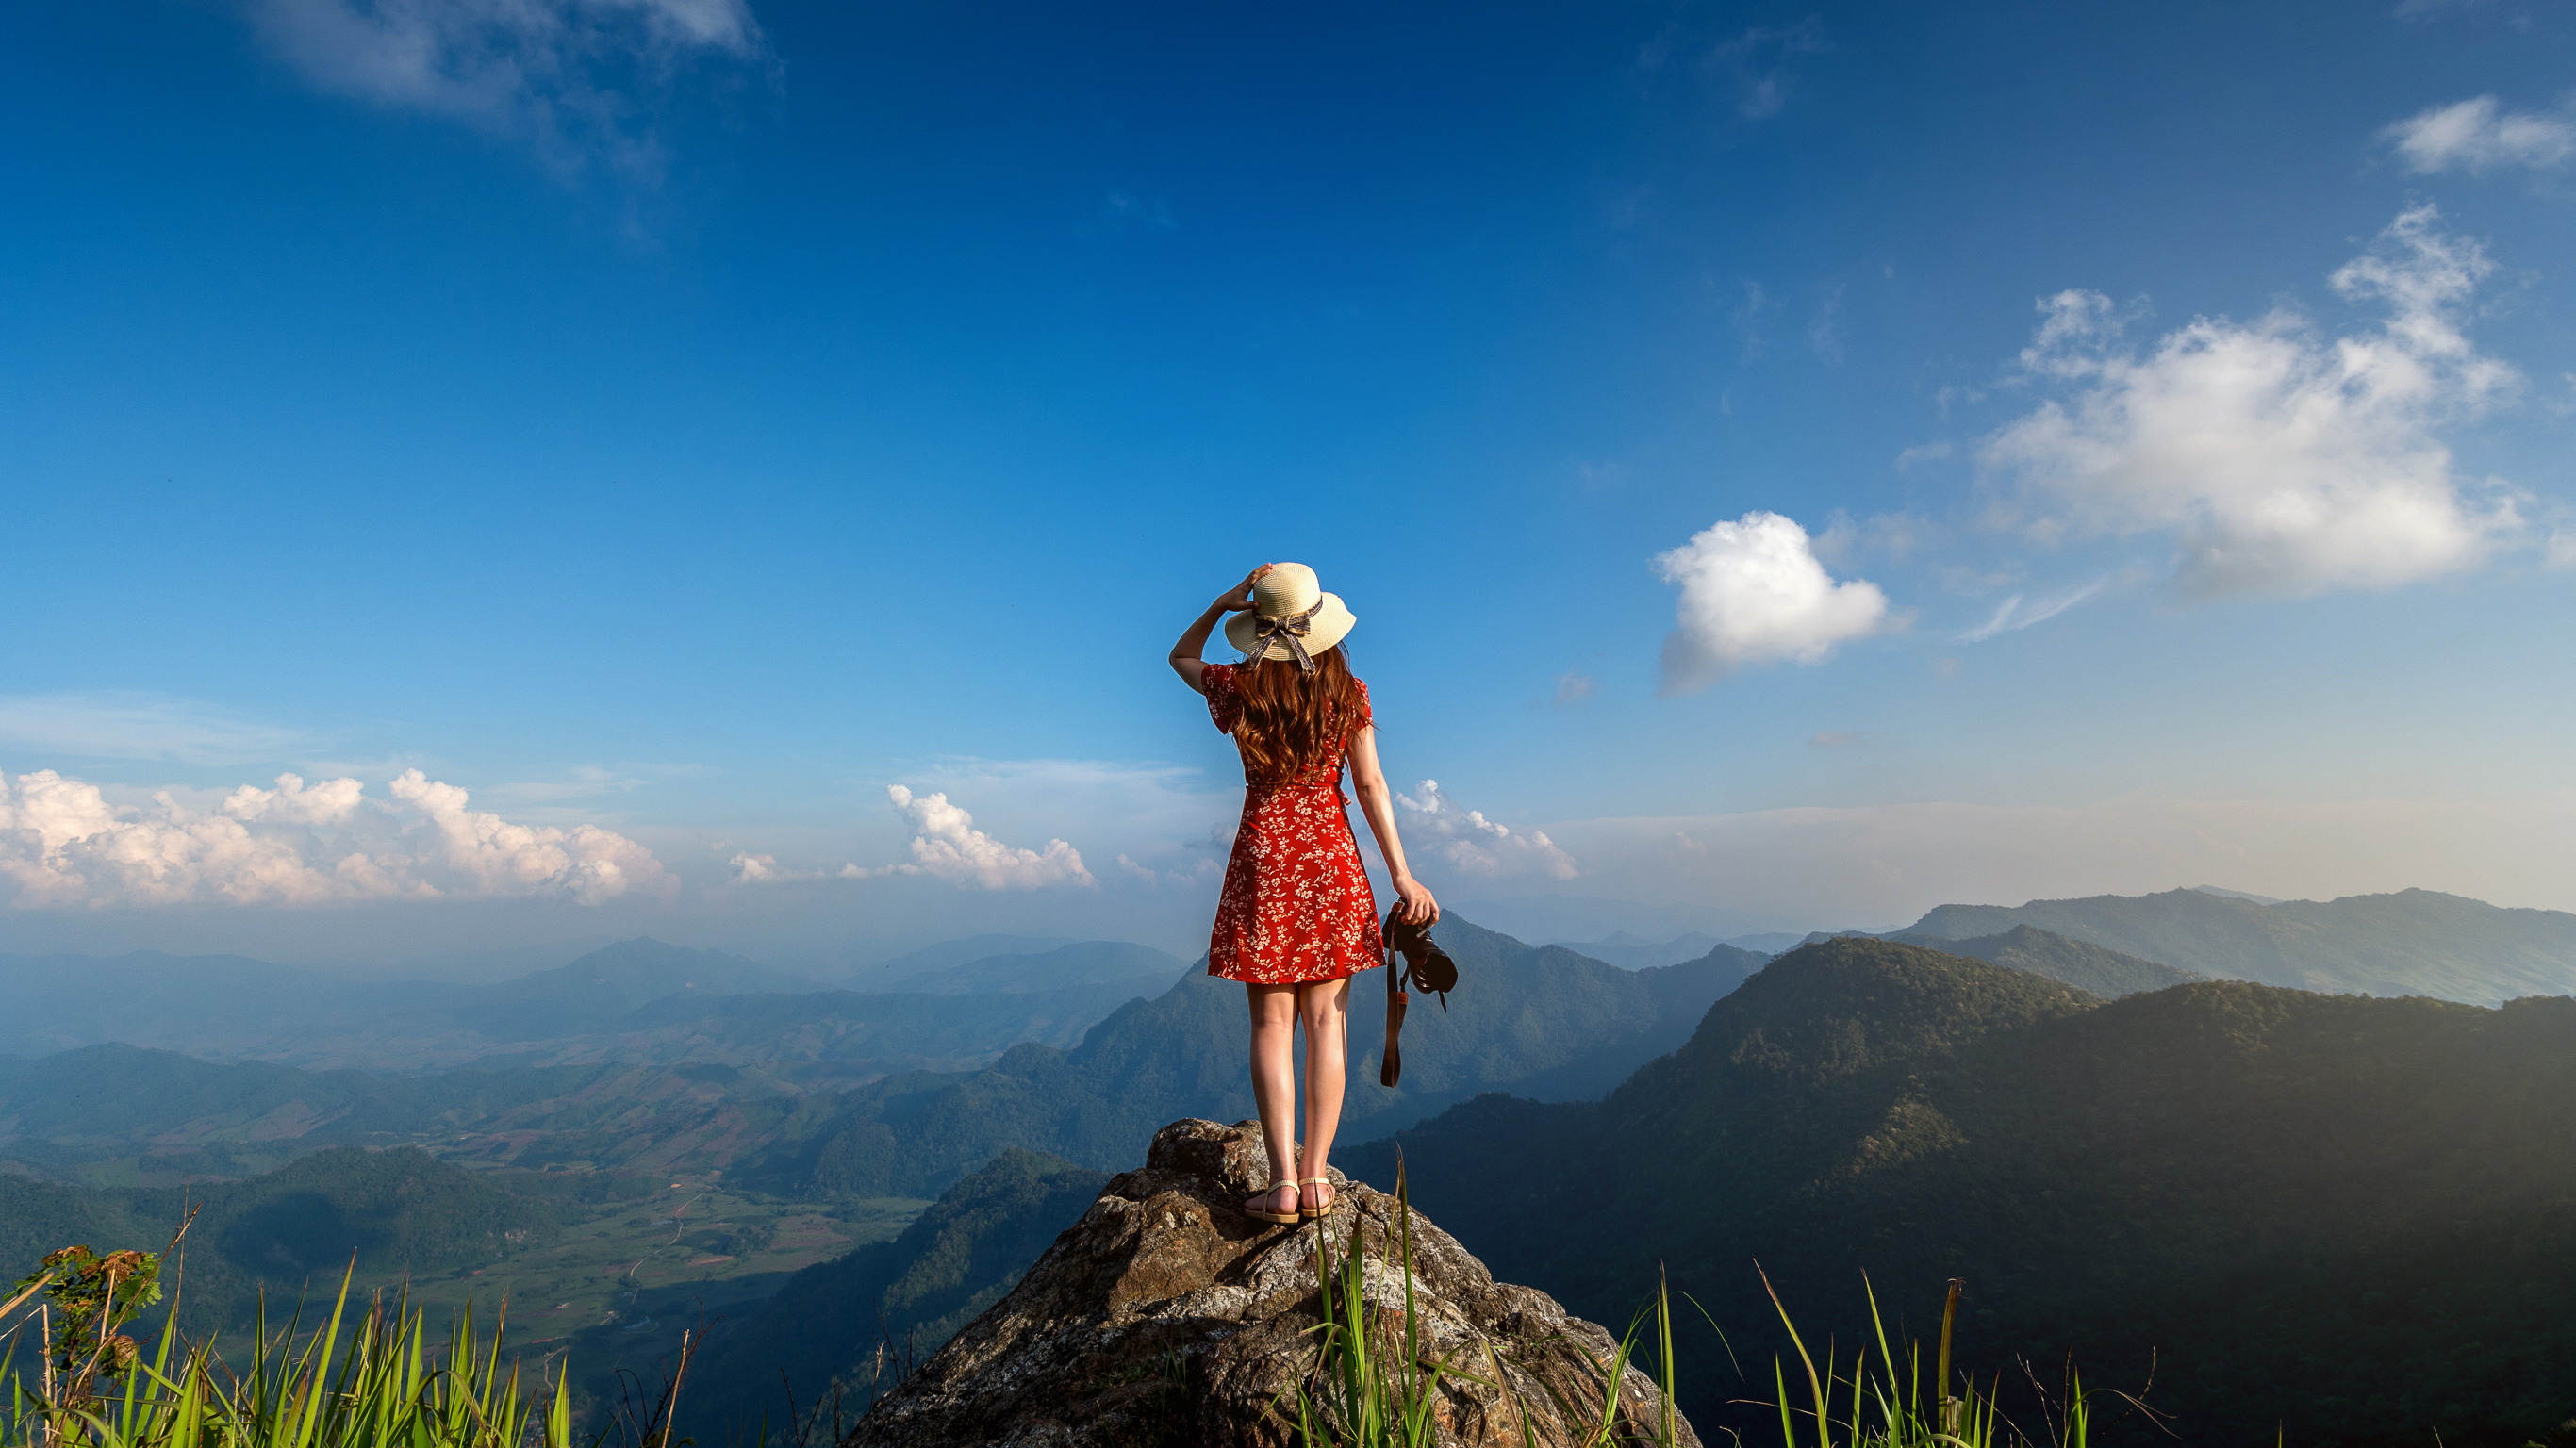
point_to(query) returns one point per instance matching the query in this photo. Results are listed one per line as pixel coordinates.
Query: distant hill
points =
(1541, 1021)
(1635, 952)
(638, 1000)
(2414, 942)
(150, 1109)
(596, 991)
(1768, 942)
(211, 1003)
(1090, 963)
(394, 1211)
(947, 953)
(1583, 917)
(824, 1326)
(2105, 973)
(843, 1038)
(2227, 1175)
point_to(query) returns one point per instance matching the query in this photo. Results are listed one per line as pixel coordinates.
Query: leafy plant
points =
(87, 1299)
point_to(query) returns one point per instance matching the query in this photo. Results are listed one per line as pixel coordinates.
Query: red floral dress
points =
(1296, 904)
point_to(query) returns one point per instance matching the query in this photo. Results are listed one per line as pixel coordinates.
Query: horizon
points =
(822, 960)
(725, 470)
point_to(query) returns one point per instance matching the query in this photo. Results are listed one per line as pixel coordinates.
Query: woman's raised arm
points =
(1368, 781)
(1185, 658)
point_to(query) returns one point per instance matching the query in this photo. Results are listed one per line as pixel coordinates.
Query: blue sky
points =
(2087, 448)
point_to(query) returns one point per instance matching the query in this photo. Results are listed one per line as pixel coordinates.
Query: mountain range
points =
(634, 1001)
(2412, 942)
(1539, 1021)
(2092, 968)
(2341, 1218)
(2348, 1219)
(743, 1084)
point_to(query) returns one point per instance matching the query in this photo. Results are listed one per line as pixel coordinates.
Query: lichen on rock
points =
(1167, 1316)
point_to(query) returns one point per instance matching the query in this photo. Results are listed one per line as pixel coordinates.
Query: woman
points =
(1296, 919)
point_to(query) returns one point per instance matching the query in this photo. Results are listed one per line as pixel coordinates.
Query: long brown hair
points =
(1294, 721)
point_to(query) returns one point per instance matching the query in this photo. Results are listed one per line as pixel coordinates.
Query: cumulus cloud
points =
(1753, 592)
(751, 869)
(62, 843)
(946, 845)
(2478, 136)
(563, 74)
(2281, 460)
(1474, 845)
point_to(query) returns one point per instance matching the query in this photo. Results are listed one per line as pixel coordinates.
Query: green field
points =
(639, 1260)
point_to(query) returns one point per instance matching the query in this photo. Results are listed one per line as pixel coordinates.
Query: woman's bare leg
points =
(1324, 1006)
(1274, 1080)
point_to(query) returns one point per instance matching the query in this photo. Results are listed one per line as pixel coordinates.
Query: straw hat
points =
(1291, 618)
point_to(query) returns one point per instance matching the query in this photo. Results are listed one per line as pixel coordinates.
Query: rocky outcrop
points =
(1166, 1316)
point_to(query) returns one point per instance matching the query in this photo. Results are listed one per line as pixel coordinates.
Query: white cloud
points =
(1473, 844)
(142, 726)
(2562, 550)
(63, 844)
(1753, 592)
(947, 846)
(1824, 329)
(1573, 689)
(1748, 318)
(751, 869)
(2479, 136)
(1758, 62)
(2281, 461)
(559, 73)
(2019, 612)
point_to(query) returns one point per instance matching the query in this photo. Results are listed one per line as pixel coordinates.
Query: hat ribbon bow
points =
(1289, 629)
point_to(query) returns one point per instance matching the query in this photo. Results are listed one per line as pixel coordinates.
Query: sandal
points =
(1258, 1208)
(1316, 1214)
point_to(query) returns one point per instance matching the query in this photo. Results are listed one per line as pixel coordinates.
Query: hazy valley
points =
(2112, 1116)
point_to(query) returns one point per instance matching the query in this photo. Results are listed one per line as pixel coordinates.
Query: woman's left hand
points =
(1419, 907)
(1241, 597)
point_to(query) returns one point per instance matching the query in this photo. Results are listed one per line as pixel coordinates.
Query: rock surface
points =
(1166, 1316)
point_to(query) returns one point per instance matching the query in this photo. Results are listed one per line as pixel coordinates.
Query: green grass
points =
(1888, 1406)
(377, 1377)
(1369, 1387)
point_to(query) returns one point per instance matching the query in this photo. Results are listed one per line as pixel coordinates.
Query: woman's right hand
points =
(1419, 907)
(1241, 597)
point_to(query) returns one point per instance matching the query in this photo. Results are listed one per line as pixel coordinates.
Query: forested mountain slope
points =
(1543, 1021)
(392, 1212)
(2087, 967)
(823, 1329)
(2352, 1217)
